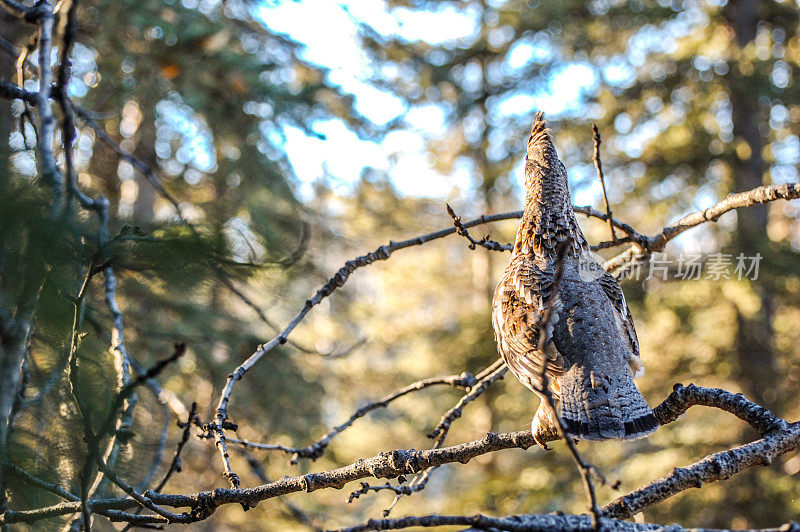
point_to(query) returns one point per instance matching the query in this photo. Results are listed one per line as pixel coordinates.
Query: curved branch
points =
(715, 467)
(683, 397)
(656, 243)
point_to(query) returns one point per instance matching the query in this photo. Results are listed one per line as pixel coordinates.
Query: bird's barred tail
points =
(603, 407)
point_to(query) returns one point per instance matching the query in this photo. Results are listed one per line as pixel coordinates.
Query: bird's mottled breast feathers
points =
(520, 300)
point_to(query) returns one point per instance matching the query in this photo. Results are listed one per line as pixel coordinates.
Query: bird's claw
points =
(540, 443)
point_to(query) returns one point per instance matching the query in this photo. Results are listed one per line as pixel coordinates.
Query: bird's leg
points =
(543, 425)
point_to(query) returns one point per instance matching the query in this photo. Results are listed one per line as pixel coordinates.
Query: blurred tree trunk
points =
(754, 349)
(11, 31)
(103, 169)
(13, 349)
(144, 206)
(13, 331)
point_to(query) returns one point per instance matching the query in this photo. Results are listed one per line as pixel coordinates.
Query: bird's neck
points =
(548, 218)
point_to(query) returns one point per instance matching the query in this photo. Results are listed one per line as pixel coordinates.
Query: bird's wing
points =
(520, 301)
(623, 319)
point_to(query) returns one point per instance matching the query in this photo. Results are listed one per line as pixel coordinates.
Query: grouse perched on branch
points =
(587, 351)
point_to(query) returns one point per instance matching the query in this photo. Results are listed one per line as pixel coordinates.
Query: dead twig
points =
(485, 242)
(483, 381)
(599, 167)
(317, 448)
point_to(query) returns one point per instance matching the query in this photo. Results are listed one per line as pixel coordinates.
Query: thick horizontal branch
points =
(10, 91)
(684, 397)
(532, 523)
(388, 464)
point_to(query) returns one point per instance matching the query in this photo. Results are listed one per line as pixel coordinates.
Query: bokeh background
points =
(298, 135)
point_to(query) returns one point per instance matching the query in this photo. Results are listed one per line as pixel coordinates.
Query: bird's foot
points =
(540, 431)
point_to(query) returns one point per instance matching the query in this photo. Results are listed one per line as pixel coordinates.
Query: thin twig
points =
(317, 448)
(599, 167)
(485, 242)
(55, 489)
(72, 374)
(439, 433)
(142, 500)
(175, 465)
(484, 380)
(584, 468)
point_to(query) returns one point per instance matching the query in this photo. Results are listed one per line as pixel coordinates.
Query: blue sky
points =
(331, 41)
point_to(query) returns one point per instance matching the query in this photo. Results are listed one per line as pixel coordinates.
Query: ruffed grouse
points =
(589, 344)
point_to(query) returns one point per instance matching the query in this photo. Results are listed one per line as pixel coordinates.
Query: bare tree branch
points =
(485, 379)
(439, 433)
(656, 243)
(402, 462)
(684, 397)
(599, 167)
(491, 245)
(175, 466)
(713, 468)
(516, 523)
(317, 448)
